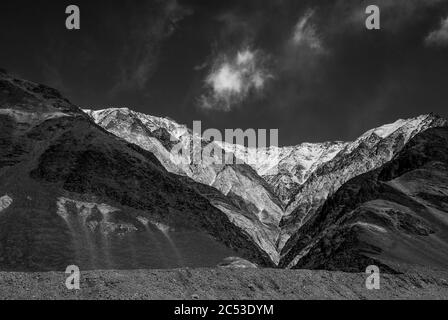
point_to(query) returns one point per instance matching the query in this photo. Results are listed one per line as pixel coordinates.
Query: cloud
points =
(439, 37)
(303, 49)
(305, 33)
(232, 79)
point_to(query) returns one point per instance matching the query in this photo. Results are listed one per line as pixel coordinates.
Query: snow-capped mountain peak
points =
(104, 118)
(284, 186)
(408, 127)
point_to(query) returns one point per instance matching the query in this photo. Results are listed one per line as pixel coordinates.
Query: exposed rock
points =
(110, 189)
(372, 150)
(78, 191)
(281, 187)
(236, 262)
(242, 186)
(390, 216)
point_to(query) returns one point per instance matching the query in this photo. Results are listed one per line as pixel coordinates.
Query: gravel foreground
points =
(221, 283)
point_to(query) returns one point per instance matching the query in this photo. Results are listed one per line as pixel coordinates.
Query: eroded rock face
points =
(372, 150)
(281, 187)
(248, 195)
(112, 193)
(78, 190)
(287, 168)
(391, 216)
(236, 263)
(97, 217)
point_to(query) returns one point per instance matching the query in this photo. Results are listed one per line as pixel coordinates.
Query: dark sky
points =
(309, 68)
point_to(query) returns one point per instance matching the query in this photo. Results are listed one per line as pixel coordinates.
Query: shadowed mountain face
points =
(395, 215)
(103, 189)
(72, 193)
(370, 151)
(245, 197)
(278, 189)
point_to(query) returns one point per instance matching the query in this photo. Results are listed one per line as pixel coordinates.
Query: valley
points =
(102, 190)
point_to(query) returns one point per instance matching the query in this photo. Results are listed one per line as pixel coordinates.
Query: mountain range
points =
(104, 189)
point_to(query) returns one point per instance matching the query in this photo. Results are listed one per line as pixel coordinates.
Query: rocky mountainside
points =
(370, 151)
(258, 211)
(116, 188)
(286, 169)
(394, 215)
(73, 193)
(287, 185)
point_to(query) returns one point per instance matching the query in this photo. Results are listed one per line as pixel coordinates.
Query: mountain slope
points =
(115, 195)
(286, 168)
(368, 152)
(395, 215)
(72, 193)
(281, 187)
(250, 203)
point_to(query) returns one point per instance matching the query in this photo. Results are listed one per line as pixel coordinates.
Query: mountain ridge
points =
(369, 151)
(391, 216)
(107, 181)
(73, 193)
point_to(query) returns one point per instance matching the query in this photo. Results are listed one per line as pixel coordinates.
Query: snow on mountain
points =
(154, 134)
(73, 193)
(238, 182)
(80, 183)
(114, 118)
(297, 165)
(266, 161)
(408, 127)
(286, 168)
(302, 160)
(391, 217)
(368, 152)
(287, 184)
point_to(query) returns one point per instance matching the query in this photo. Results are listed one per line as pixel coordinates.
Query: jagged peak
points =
(265, 158)
(381, 131)
(128, 111)
(150, 122)
(409, 123)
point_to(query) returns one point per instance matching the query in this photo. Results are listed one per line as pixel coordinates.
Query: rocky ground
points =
(223, 283)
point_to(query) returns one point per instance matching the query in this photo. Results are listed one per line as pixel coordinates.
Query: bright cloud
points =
(233, 79)
(439, 37)
(245, 57)
(226, 80)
